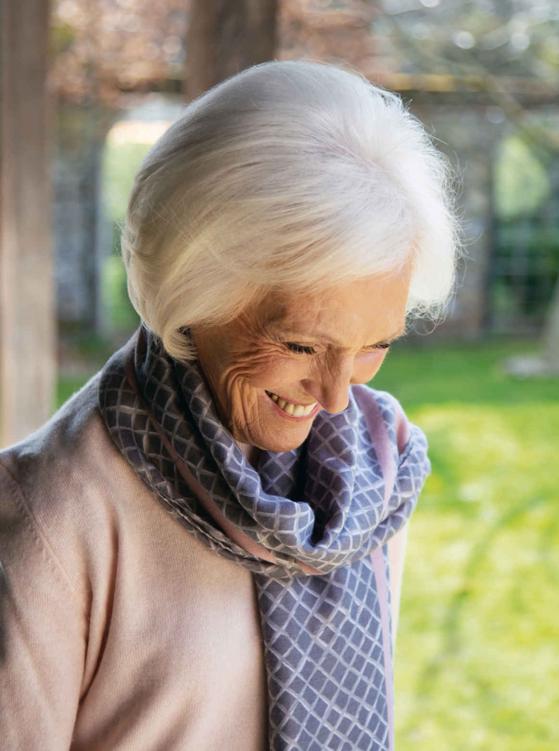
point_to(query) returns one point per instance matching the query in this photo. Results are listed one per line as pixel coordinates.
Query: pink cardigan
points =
(118, 629)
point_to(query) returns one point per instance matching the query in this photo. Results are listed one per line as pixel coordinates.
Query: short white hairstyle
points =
(289, 175)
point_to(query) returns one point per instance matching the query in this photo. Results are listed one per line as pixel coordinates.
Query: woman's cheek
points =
(368, 364)
(278, 371)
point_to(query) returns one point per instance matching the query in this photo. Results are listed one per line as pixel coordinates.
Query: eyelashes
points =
(302, 349)
(299, 349)
(384, 345)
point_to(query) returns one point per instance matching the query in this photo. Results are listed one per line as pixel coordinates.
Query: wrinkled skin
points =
(253, 354)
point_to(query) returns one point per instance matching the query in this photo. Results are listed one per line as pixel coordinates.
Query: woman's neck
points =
(251, 452)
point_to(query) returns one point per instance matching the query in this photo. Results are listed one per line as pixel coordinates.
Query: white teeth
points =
(297, 410)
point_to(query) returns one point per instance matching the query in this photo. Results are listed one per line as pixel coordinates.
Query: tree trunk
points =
(225, 37)
(27, 323)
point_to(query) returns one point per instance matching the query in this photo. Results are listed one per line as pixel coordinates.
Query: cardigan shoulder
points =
(68, 436)
(59, 492)
(97, 583)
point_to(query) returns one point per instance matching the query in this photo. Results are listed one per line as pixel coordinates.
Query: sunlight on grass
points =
(477, 645)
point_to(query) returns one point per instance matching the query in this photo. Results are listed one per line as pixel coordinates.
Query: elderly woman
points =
(202, 549)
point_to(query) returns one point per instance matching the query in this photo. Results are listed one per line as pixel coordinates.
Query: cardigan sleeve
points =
(42, 641)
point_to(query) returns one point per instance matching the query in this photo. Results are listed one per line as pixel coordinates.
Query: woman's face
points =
(273, 368)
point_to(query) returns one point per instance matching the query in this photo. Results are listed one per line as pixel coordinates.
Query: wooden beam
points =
(27, 318)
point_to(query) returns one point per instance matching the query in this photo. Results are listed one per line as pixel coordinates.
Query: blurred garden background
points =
(88, 86)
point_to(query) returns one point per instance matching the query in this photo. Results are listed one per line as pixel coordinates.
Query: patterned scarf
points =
(311, 524)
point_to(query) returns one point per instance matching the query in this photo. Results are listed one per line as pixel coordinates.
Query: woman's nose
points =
(331, 386)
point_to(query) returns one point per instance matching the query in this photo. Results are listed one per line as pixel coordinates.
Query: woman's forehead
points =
(374, 306)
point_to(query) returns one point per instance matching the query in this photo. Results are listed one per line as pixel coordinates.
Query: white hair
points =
(291, 175)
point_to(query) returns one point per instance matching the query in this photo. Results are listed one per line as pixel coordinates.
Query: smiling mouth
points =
(295, 410)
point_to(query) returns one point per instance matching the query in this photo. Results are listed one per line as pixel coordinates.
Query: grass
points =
(477, 654)
(476, 658)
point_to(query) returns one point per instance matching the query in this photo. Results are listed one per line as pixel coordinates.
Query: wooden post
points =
(225, 37)
(27, 317)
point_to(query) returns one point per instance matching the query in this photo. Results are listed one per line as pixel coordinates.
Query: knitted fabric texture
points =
(311, 524)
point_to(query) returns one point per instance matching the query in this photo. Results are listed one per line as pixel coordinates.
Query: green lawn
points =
(478, 646)
(477, 659)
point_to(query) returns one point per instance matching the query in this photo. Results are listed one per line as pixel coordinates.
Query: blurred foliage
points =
(526, 251)
(62, 37)
(100, 48)
(502, 37)
(118, 308)
(478, 631)
(528, 254)
(121, 161)
(521, 180)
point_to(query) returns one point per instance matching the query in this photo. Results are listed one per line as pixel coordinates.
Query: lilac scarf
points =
(311, 524)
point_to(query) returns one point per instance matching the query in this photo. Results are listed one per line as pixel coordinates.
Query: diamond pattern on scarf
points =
(323, 505)
(323, 647)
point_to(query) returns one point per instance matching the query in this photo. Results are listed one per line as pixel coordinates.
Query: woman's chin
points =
(277, 441)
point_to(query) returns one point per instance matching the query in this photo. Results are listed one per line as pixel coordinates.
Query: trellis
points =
(524, 266)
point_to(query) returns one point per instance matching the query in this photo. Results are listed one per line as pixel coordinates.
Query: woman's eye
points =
(300, 349)
(376, 347)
